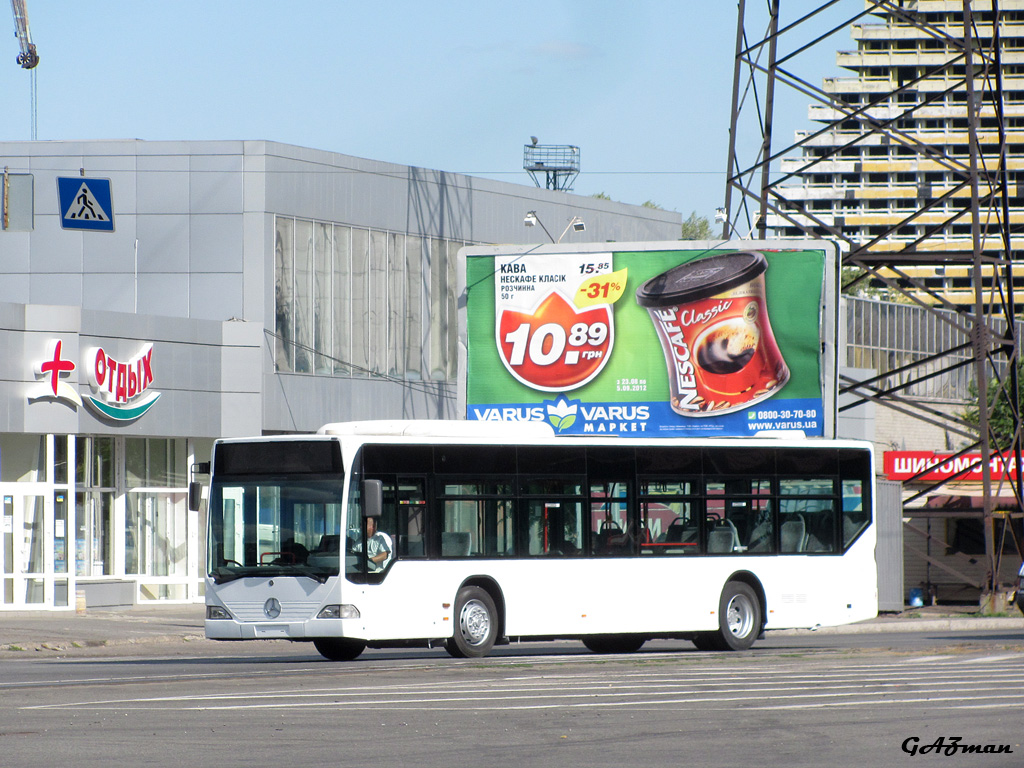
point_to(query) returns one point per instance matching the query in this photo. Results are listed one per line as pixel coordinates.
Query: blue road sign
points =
(85, 203)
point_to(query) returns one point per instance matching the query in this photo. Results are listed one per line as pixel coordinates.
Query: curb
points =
(913, 625)
(66, 646)
(953, 624)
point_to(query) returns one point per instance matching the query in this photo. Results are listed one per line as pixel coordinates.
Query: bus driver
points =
(378, 546)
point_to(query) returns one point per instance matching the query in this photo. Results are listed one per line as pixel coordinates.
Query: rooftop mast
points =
(27, 58)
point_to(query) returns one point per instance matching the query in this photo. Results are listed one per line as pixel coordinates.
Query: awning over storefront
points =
(969, 503)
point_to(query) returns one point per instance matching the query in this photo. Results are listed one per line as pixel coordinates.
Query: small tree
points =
(1001, 422)
(697, 228)
(855, 284)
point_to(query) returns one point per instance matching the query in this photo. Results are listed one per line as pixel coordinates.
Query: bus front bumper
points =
(331, 621)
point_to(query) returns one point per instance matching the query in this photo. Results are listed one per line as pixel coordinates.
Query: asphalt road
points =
(811, 700)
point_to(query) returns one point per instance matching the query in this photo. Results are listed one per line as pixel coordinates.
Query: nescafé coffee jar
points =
(711, 317)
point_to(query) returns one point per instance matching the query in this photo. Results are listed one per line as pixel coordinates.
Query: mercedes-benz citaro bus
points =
(471, 534)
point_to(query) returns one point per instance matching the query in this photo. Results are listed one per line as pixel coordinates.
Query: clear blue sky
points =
(642, 87)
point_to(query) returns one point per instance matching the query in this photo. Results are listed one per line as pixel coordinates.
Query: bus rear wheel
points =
(614, 643)
(339, 648)
(739, 620)
(476, 624)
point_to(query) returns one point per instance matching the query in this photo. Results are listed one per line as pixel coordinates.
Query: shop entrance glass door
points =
(25, 567)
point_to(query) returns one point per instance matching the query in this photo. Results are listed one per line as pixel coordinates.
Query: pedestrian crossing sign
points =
(85, 204)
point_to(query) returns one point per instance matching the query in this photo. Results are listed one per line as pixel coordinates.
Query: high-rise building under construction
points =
(905, 186)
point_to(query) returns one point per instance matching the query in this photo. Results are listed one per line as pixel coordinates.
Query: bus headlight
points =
(345, 611)
(216, 612)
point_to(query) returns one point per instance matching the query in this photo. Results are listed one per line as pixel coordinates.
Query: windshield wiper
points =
(309, 573)
(223, 575)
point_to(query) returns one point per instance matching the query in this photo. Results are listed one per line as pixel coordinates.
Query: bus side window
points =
(412, 546)
(480, 523)
(554, 527)
(792, 532)
(669, 527)
(612, 530)
(808, 516)
(739, 516)
(821, 526)
(499, 528)
(856, 487)
(408, 522)
(669, 520)
(461, 521)
(723, 537)
(456, 544)
(402, 520)
(855, 518)
(762, 538)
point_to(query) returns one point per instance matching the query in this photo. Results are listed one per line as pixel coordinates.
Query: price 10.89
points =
(550, 343)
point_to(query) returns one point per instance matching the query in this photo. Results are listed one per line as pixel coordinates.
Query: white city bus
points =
(502, 532)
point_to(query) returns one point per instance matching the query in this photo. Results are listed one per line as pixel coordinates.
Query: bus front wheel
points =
(476, 624)
(339, 648)
(739, 620)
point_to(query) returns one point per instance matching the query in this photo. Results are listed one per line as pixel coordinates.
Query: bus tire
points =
(739, 620)
(614, 643)
(339, 648)
(476, 624)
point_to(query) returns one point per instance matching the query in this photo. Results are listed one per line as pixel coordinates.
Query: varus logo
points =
(571, 417)
(561, 413)
(508, 413)
(120, 389)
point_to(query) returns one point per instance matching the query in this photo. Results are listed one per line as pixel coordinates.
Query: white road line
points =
(947, 681)
(400, 699)
(432, 704)
(990, 705)
(928, 700)
(325, 670)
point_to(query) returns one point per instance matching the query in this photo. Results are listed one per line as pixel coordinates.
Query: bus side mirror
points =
(195, 489)
(373, 498)
(195, 495)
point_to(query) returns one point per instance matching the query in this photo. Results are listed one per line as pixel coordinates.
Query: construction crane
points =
(28, 58)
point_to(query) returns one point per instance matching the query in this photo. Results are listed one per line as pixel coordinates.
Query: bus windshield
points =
(262, 526)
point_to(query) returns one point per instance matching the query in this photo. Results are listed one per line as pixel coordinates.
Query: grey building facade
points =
(222, 289)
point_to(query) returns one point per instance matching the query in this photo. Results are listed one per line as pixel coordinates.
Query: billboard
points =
(654, 339)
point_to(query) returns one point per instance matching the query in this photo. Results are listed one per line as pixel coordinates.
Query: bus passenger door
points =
(405, 515)
(402, 600)
(613, 535)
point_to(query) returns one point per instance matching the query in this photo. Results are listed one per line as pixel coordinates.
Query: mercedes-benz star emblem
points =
(272, 608)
